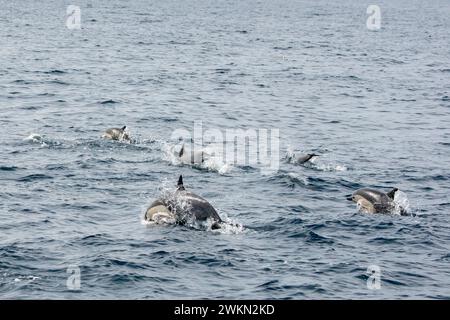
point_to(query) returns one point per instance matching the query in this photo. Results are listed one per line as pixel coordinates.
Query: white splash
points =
(298, 177)
(211, 162)
(29, 279)
(228, 226)
(36, 138)
(401, 202)
(330, 167)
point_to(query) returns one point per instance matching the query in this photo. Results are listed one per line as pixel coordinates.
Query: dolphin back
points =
(198, 207)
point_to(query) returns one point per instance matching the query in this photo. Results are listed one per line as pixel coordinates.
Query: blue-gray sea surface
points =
(374, 104)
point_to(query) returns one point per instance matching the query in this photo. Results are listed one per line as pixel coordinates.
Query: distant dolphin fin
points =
(391, 194)
(180, 185)
(181, 152)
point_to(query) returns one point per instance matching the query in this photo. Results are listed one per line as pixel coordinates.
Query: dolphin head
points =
(158, 211)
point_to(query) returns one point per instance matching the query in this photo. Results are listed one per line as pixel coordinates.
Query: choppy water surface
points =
(375, 105)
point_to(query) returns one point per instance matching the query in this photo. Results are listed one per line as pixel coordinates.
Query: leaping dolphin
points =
(375, 201)
(301, 158)
(183, 206)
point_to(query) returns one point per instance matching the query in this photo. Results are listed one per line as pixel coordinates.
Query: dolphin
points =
(182, 207)
(118, 134)
(375, 201)
(301, 158)
(193, 157)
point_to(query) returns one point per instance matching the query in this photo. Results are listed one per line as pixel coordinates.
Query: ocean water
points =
(374, 104)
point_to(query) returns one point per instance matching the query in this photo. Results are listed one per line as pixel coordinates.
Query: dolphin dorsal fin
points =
(180, 185)
(309, 156)
(391, 194)
(124, 127)
(181, 151)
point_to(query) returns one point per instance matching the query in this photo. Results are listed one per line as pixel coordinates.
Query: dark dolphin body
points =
(374, 201)
(183, 206)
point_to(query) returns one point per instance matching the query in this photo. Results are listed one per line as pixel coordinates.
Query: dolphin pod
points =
(368, 200)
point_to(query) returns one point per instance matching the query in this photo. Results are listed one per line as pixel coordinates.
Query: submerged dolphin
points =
(184, 205)
(374, 201)
(118, 134)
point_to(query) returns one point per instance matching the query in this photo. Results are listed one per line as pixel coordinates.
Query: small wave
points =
(8, 168)
(63, 83)
(26, 279)
(311, 237)
(283, 48)
(144, 21)
(41, 140)
(222, 70)
(33, 177)
(21, 81)
(54, 71)
(35, 138)
(316, 238)
(330, 167)
(290, 179)
(110, 101)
